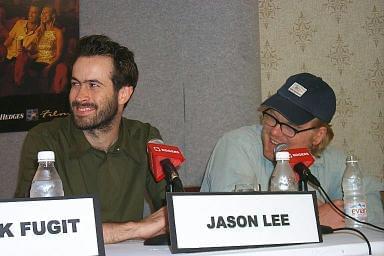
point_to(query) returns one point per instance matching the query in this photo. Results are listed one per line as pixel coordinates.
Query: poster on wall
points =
(37, 44)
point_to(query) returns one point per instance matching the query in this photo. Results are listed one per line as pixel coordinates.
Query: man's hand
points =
(329, 216)
(153, 225)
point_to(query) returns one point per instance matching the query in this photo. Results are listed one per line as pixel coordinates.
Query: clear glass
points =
(355, 201)
(246, 187)
(46, 182)
(283, 178)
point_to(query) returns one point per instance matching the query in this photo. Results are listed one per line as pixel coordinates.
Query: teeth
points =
(84, 109)
(274, 142)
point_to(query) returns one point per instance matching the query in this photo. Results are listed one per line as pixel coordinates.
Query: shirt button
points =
(118, 149)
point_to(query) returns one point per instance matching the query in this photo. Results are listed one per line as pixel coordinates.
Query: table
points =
(338, 243)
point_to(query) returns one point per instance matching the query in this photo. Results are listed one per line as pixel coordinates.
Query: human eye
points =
(94, 84)
(74, 83)
(269, 119)
(288, 130)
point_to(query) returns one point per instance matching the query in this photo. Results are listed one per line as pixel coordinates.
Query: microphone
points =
(172, 176)
(300, 155)
(305, 174)
(300, 159)
(280, 147)
(164, 159)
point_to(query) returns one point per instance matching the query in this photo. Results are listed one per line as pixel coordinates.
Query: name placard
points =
(220, 221)
(50, 226)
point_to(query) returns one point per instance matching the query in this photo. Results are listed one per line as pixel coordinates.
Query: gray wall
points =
(199, 72)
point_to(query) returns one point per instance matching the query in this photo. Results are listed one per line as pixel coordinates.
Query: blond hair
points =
(318, 149)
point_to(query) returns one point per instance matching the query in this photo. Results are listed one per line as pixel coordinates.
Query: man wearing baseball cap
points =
(298, 115)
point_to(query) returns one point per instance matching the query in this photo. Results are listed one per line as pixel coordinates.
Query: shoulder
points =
(50, 135)
(244, 142)
(21, 23)
(135, 125)
(332, 153)
(58, 31)
(137, 129)
(246, 135)
(333, 159)
(18, 25)
(51, 128)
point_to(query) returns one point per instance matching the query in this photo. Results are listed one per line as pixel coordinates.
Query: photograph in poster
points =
(37, 44)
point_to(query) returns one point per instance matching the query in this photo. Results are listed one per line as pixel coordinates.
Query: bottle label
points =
(357, 210)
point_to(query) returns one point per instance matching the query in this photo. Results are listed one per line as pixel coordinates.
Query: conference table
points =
(337, 243)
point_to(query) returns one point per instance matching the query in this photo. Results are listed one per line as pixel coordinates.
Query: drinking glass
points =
(246, 188)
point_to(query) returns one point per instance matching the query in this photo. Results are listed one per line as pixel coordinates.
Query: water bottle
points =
(283, 177)
(46, 182)
(355, 201)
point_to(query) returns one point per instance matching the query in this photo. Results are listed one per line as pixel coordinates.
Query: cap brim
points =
(289, 110)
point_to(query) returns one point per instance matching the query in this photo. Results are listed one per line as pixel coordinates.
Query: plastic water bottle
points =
(355, 201)
(283, 177)
(46, 182)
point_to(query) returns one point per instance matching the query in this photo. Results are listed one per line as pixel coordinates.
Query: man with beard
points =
(298, 115)
(97, 150)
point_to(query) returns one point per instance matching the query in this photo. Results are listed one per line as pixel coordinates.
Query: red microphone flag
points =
(300, 155)
(158, 152)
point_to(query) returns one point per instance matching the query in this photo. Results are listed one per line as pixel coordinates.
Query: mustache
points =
(83, 104)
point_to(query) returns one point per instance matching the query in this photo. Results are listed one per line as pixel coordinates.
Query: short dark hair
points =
(125, 72)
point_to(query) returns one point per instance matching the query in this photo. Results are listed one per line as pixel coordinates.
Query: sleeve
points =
(229, 164)
(155, 190)
(374, 204)
(12, 33)
(28, 162)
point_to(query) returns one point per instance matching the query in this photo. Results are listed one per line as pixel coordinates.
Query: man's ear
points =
(319, 136)
(125, 94)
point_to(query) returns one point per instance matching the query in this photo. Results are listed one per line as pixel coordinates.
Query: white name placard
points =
(50, 226)
(219, 221)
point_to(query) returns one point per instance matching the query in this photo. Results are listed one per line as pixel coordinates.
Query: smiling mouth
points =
(274, 142)
(83, 109)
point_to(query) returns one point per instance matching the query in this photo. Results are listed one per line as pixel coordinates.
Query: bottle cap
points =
(351, 159)
(282, 155)
(45, 156)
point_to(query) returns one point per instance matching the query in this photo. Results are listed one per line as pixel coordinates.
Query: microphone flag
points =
(158, 152)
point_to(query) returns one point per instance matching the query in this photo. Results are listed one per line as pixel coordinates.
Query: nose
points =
(81, 93)
(276, 131)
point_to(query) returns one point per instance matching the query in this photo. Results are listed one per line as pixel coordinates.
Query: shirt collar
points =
(125, 143)
(79, 145)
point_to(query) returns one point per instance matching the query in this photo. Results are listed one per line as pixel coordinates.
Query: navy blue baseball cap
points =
(302, 98)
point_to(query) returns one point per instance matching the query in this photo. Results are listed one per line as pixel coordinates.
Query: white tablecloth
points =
(338, 243)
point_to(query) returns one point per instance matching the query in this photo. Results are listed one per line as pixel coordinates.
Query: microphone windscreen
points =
(158, 152)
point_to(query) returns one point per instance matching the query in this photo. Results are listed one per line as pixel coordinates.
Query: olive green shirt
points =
(120, 178)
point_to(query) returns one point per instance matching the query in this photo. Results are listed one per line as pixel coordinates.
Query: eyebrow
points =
(295, 126)
(88, 81)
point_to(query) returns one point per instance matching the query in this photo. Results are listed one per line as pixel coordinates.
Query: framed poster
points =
(37, 45)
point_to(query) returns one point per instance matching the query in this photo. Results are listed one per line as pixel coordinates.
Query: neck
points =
(31, 26)
(49, 26)
(104, 138)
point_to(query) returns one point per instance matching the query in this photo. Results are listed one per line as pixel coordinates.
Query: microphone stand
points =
(173, 184)
(303, 183)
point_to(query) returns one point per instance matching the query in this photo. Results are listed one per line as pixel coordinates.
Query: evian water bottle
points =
(46, 182)
(355, 201)
(283, 178)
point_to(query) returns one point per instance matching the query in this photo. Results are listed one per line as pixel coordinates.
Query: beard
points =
(102, 120)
